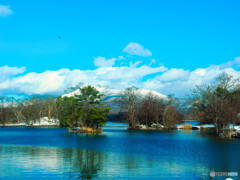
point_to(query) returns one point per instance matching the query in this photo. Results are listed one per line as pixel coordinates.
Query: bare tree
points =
(148, 105)
(128, 99)
(167, 116)
(39, 105)
(210, 100)
(18, 110)
(2, 110)
(49, 104)
(10, 103)
(158, 106)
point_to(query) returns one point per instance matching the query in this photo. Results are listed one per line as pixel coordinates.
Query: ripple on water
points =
(36, 153)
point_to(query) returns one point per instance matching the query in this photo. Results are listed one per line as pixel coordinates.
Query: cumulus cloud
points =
(55, 82)
(103, 62)
(235, 63)
(6, 71)
(5, 11)
(127, 73)
(33, 83)
(173, 81)
(135, 64)
(137, 49)
(173, 75)
(188, 81)
(237, 59)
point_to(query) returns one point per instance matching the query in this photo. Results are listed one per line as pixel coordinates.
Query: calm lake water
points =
(53, 153)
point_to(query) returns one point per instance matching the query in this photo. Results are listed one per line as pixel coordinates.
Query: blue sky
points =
(168, 47)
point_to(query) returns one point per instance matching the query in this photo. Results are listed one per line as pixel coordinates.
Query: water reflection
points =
(84, 163)
(30, 162)
(116, 154)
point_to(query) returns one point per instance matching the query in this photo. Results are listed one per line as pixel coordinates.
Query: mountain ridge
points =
(115, 93)
(111, 94)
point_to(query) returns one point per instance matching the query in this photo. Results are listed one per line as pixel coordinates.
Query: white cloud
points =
(187, 80)
(153, 61)
(137, 49)
(34, 83)
(173, 81)
(103, 62)
(5, 11)
(121, 58)
(235, 62)
(127, 73)
(133, 65)
(55, 82)
(237, 59)
(6, 71)
(174, 74)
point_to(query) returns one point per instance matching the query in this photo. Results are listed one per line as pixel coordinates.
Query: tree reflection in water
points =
(206, 155)
(73, 163)
(85, 164)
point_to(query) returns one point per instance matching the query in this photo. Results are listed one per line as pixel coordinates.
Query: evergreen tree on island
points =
(84, 109)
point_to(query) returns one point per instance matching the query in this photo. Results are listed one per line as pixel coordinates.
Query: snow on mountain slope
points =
(146, 91)
(115, 92)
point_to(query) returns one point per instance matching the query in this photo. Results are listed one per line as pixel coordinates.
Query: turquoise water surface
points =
(53, 153)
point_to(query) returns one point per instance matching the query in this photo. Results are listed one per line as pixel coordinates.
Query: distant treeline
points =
(27, 109)
(89, 108)
(215, 103)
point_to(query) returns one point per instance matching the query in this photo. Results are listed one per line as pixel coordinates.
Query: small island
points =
(86, 109)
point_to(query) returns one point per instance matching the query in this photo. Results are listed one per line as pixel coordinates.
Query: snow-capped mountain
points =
(111, 93)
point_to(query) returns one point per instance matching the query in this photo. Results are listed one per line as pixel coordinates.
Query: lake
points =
(53, 153)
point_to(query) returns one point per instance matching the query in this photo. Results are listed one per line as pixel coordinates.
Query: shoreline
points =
(30, 125)
(42, 122)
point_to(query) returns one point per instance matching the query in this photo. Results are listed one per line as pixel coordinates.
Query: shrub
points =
(187, 127)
